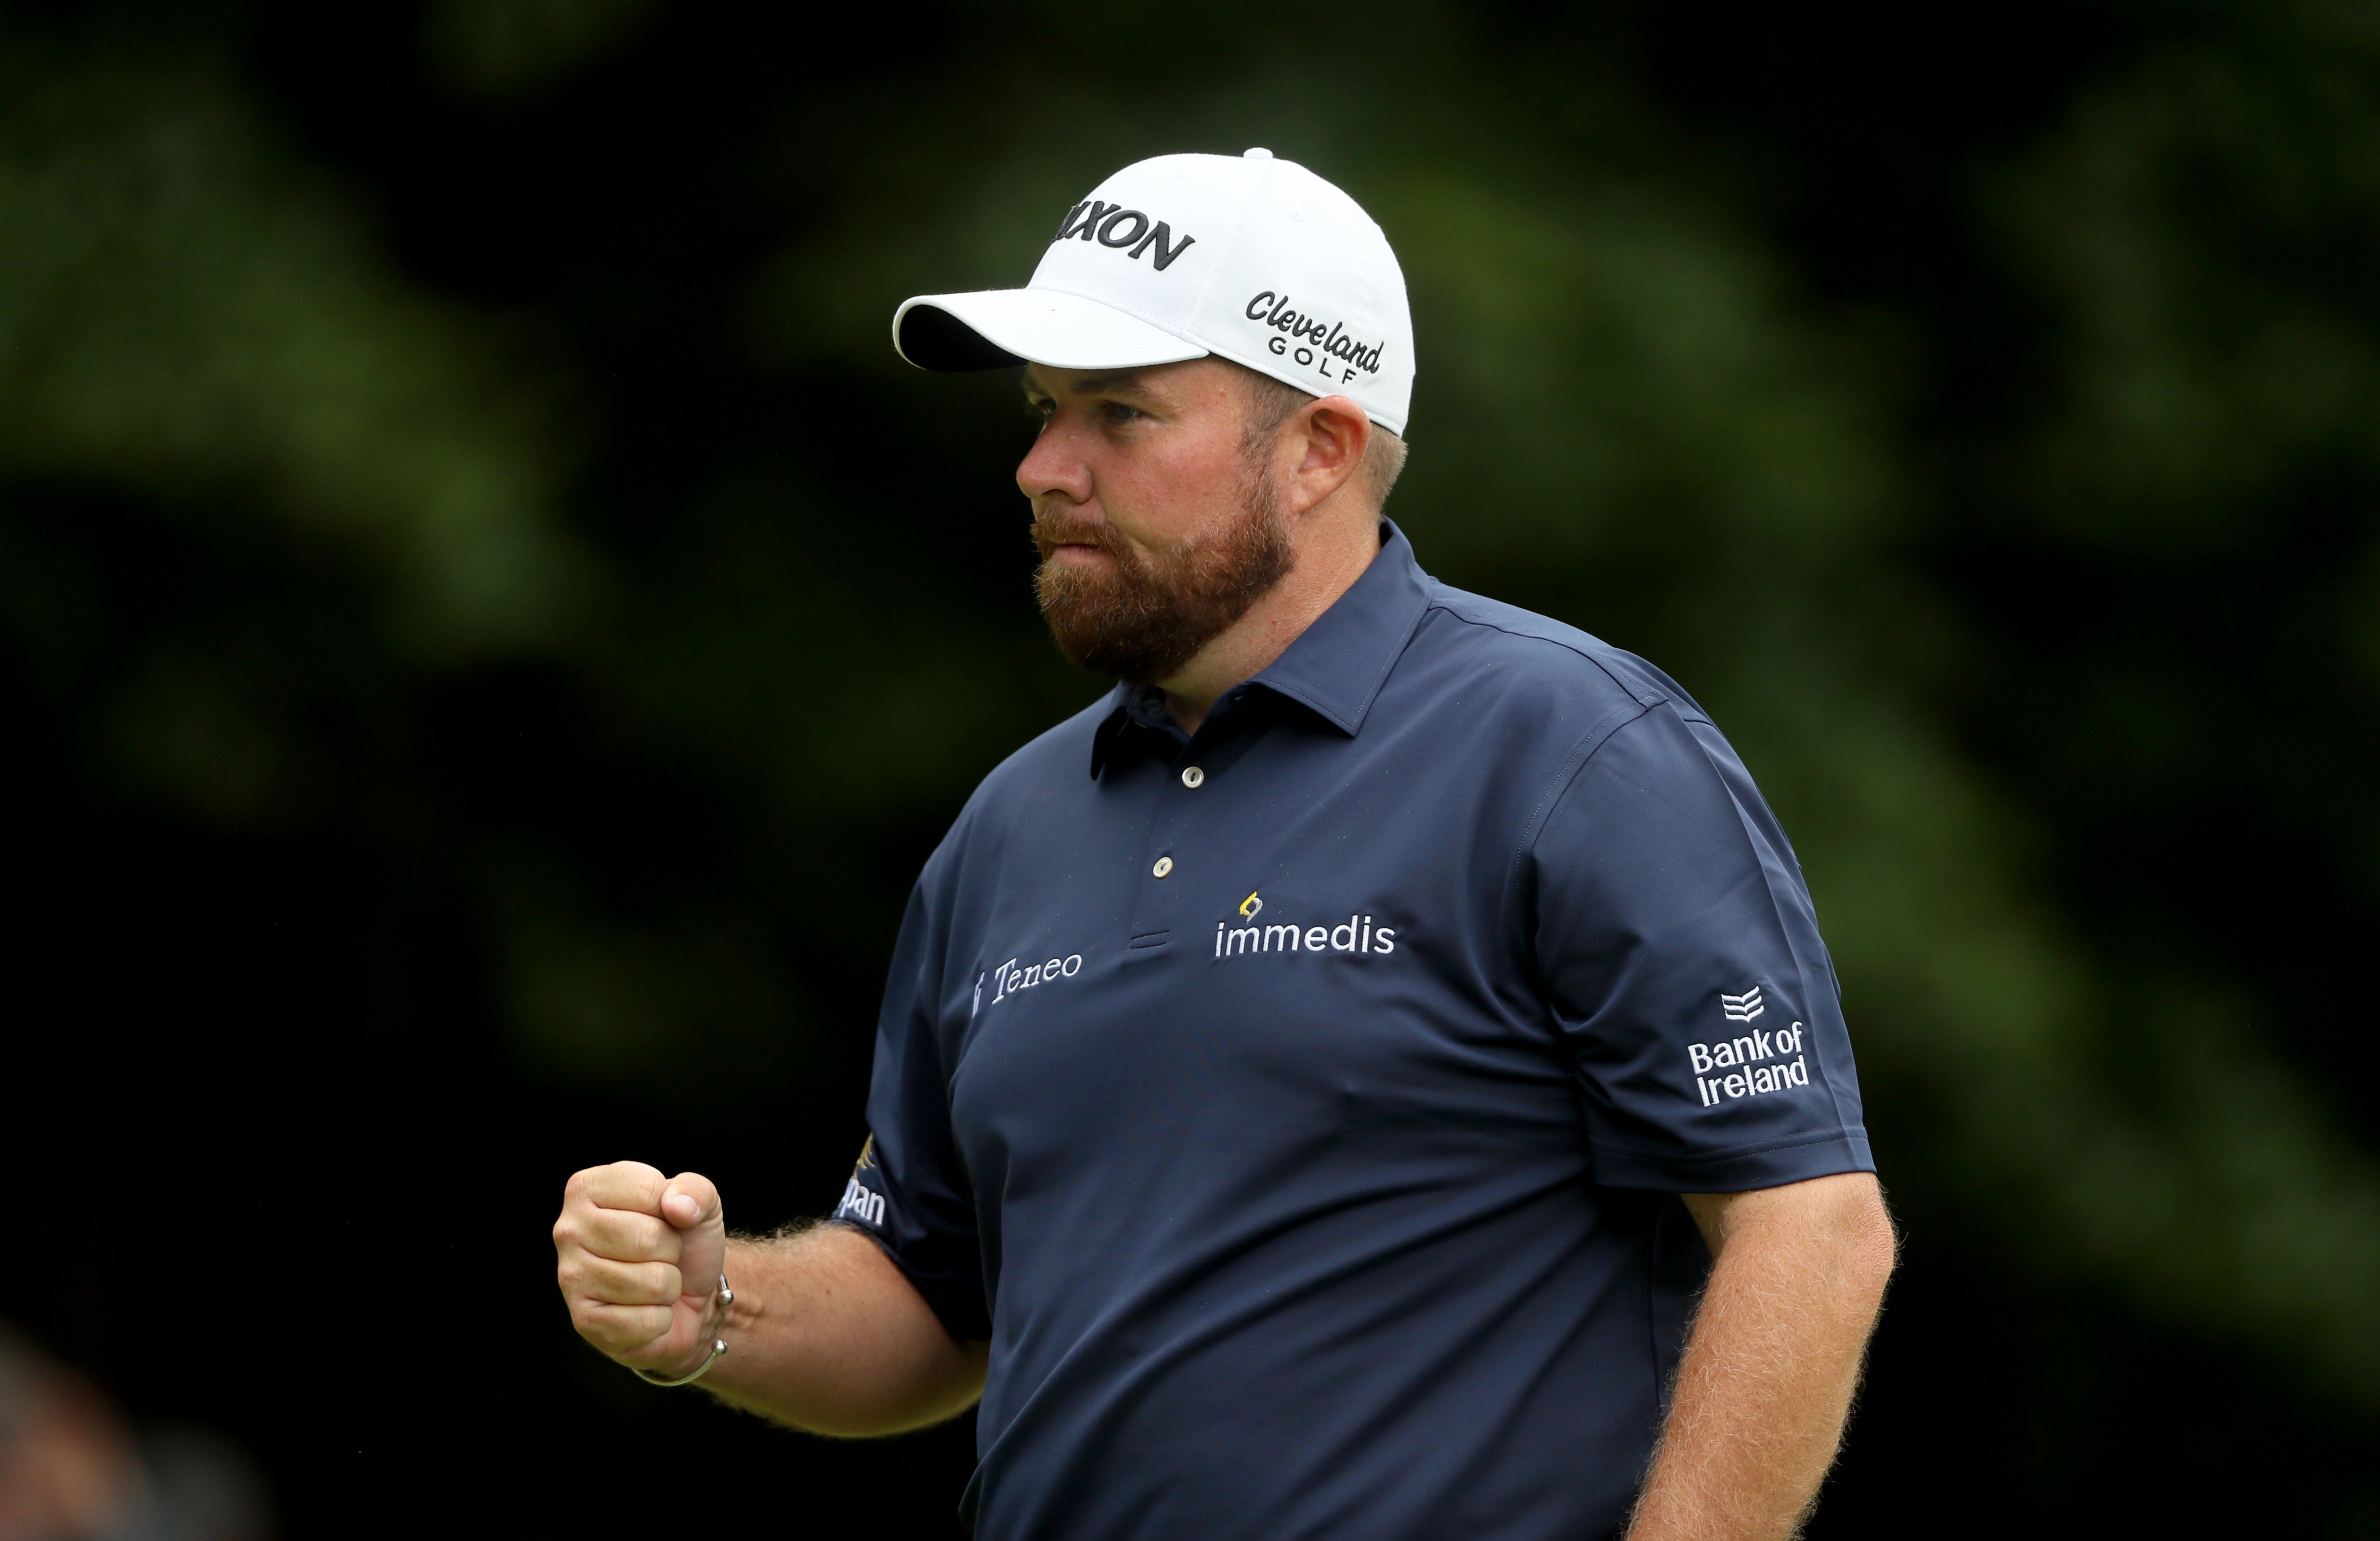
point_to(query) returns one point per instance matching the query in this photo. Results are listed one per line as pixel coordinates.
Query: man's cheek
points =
(1187, 509)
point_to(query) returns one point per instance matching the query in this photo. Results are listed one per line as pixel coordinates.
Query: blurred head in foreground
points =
(71, 1469)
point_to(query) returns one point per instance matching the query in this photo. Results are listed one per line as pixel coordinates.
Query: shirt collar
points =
(1338, 664)
(1335, 667)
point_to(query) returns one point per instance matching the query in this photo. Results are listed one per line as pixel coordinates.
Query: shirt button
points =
(1164, 864)
(1193, 777)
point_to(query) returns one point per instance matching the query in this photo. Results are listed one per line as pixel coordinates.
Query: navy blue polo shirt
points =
(1299, 1107)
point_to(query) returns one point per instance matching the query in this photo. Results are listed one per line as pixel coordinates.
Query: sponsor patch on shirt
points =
(1752, 1066)
(1356, 934)
(859, 1202)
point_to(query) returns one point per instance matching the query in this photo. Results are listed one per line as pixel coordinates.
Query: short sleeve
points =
(1680, 955)
(910, 1191)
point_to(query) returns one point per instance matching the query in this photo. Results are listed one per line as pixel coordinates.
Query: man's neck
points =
(1328, 561)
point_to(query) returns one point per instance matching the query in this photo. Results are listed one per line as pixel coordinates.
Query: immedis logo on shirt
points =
(1355, 934)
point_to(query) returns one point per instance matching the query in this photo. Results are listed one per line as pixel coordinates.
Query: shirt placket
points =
(1176, 858)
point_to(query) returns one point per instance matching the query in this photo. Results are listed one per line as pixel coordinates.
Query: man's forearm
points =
(825, 1334)
(1770, 1371)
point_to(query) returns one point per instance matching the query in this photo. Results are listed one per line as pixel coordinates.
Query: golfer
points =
(1375, 1074)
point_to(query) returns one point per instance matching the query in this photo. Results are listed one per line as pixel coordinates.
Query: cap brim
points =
(993, 329)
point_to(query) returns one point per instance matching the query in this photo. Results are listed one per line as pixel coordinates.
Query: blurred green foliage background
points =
(489, 629)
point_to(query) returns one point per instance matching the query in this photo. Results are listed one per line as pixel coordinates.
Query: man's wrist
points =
(695, 1358)
(701, 1351)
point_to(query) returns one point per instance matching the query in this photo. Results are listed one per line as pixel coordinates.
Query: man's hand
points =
(639, 1257)
(828, 1333)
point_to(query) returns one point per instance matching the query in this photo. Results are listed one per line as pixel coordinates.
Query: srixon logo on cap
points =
(1113, 225)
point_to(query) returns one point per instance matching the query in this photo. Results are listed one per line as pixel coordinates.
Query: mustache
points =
(1055, 525)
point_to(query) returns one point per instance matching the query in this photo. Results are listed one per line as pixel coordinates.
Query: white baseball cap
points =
(1247, 257)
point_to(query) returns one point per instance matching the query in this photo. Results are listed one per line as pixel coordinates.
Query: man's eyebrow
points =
(1104, 384)
(1112, 384)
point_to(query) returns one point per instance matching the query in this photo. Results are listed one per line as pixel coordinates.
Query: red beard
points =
(1145, 618)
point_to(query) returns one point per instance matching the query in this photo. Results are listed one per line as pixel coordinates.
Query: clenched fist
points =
(638, 1256)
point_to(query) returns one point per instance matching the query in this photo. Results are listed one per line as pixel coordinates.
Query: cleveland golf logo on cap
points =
(1284, 274)
(1092, 218)
(1337, 344)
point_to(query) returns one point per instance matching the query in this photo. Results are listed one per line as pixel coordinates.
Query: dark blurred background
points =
(488, 631)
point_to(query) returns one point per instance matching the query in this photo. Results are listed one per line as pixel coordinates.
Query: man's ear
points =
(1328, 435)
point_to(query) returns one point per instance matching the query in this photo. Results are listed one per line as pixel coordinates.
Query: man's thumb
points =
(689, 1201)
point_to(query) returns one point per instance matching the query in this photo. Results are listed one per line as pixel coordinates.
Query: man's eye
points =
(1119, 413)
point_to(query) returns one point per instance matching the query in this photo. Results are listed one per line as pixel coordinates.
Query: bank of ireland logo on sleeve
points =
(1751, 1065)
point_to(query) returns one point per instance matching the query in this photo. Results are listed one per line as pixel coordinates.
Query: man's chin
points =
(1135, 659)
(1120, 618)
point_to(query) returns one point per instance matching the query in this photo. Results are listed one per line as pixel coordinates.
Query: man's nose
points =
(1054, 467)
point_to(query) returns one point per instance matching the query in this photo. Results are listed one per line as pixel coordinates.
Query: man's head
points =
(1168, 500)
(1222, 352)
